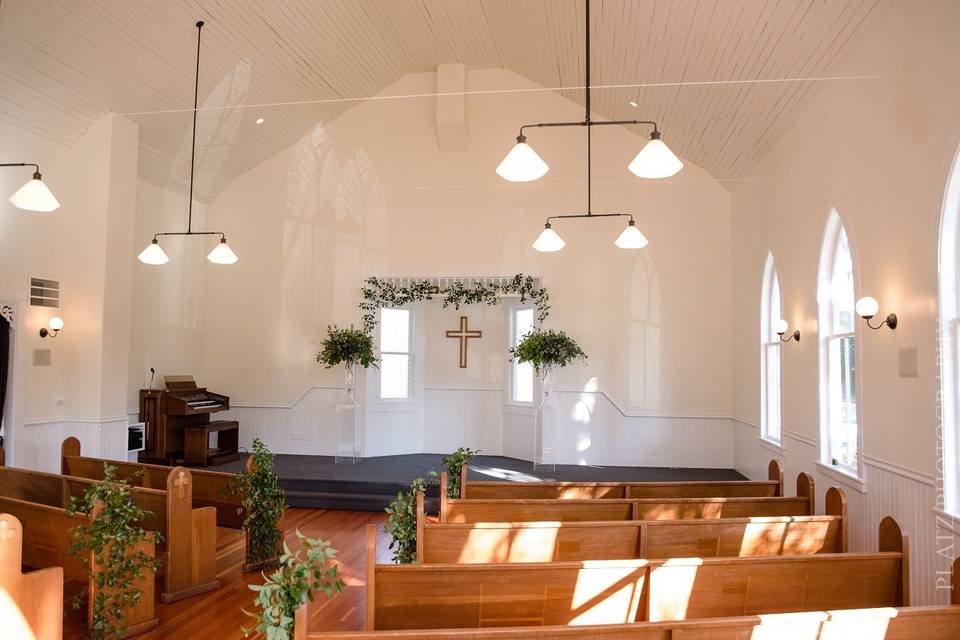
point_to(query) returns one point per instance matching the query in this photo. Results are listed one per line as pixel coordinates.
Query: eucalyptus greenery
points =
(454, 463)
(351, 346)
(264, 501)
(378, 293)
(112, 538)
(547, 350)
(291, 585)
(402, 521)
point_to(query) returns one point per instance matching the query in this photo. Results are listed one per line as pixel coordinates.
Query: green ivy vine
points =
(402, 521)
(264, 501)
(454, 463)
(378, 293)
(112, 539)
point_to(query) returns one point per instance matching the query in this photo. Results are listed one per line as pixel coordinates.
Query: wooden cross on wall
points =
(464, 334)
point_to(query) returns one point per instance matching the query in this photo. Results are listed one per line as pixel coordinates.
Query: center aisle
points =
(216, 615)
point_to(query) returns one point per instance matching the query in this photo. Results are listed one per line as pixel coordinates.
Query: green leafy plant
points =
(264, 501)
(351, 346)
(113, 540)
(454, 463)
(402, 521)
(547, 350)
(291, 585)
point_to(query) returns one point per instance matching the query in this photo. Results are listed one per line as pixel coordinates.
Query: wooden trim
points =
(775, 474)
(371, 557)
(444, 501)
(421, 517)
(37, 596)
(955, 584)
(836, 505)
(463, 481)
(806, 489)
(69, 447)
(3, 457)
(893, 538)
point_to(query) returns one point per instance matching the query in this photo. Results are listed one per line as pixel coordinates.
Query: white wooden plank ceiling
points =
(64, 63)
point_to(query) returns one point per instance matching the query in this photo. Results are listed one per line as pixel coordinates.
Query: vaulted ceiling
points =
(64, 63)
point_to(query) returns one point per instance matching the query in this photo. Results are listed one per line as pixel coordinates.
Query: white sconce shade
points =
(55, 323)
(522, 164)
(222, 253)
(867, 307)
(548, 240)
(631, 238)
(780, 326)
(655, 160)
(35, 196)
(153, 254)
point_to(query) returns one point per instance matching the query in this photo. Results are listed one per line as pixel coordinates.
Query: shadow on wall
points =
(644, 354)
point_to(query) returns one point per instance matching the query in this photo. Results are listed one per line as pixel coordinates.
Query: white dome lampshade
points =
(522, 164)
(153, 254)
(655, 160)
(867, 307)
(222, 253)
(631, 238)
(548, 240)
(55, 323)
(35, 196)
(780, 326)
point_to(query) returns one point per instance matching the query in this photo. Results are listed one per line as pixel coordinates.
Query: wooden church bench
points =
(904, 623)
(47, 531)
(442, 596)
(484, 489)
(209, 487)
(32, 606)
(495, 542)
(189, 535)
(667, 508)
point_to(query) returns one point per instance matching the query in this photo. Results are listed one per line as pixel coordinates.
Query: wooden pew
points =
(208, 486)
(190, 535)
(47, 531)
(905, 623)
(496, 542)
(31, 604)
(668, 508)
(449, 596)
(769, 488)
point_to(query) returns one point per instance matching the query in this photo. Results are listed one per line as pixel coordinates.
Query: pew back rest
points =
(34, 604)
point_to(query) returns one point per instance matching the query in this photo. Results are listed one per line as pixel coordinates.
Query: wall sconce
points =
(55, 324)
(867, 307)
(781, 326)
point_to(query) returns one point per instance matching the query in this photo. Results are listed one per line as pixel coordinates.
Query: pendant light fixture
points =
(222, 253)
(34, 195)
(655, 160)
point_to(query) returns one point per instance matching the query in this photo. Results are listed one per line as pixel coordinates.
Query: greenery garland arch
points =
(378, 293)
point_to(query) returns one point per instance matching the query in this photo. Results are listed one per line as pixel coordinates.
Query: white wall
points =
(370, 194)
(879, 151)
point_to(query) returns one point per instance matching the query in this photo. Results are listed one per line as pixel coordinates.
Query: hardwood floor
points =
(217, 615)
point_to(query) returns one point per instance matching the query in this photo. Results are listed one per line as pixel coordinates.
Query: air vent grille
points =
(44, 293)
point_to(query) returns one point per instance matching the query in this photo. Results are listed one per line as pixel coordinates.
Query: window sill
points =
(775, 447)
(519, 409)
(947, 520)
(850, 480)
(394, 405)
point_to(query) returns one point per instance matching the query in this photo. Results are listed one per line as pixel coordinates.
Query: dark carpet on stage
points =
(370, 483)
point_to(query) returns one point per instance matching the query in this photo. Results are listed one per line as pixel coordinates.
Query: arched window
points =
(950, 339)
(770, 313)
(836, 298)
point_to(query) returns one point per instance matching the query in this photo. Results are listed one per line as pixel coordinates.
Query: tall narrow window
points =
(770, 313)
(836, 297)
(394, 353)
(521, 374)
(950, 340)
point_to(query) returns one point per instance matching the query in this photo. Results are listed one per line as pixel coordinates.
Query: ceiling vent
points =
(44, 293)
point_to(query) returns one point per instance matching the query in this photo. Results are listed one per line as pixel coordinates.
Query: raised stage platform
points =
(371, 483)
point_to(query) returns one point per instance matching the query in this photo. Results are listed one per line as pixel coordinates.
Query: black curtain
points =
(4, 366)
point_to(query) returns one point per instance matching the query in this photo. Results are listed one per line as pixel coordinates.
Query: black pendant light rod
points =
(36, 173)
(589, 123)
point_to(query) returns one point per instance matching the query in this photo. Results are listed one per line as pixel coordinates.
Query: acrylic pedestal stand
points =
(348, 420)
(546, 427)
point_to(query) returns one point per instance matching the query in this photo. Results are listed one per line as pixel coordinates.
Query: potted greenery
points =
(291, 585)
(116, 545)
(264, 502)
(547, 351)
(454, 463)
(350, 347)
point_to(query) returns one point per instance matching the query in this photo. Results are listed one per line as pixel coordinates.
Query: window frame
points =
(770, 342)
(829, 335)
(409, 353)
(949, 344)
(512, 310)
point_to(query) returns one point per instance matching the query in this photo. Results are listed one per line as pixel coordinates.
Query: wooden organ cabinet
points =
(178, 425)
